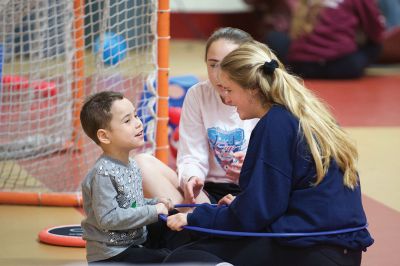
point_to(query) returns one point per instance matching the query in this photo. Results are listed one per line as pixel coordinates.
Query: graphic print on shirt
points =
(225, 143)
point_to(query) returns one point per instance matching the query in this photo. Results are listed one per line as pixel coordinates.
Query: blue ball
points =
(114, 48)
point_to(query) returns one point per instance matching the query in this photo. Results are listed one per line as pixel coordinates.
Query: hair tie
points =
(269, 67)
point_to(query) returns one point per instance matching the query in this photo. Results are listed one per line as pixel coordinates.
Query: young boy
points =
(117, 212)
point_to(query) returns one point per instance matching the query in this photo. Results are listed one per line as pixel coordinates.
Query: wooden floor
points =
(368, 108)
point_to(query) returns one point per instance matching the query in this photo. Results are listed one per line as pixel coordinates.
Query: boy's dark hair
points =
(95, 113)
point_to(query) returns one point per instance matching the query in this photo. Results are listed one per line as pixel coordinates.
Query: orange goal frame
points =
(74, 199)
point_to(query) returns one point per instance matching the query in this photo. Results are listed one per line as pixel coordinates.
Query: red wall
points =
(201, 25)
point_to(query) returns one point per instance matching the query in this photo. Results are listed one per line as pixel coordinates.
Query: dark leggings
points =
(346, 67)
(264, 251)
(160, 241)
(135, 255)
(216, 191)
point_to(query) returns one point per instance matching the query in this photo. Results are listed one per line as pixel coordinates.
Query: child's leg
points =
(158, 179)
(136, 255)
(161, 181)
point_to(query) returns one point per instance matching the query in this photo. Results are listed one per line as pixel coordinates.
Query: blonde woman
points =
(299, 174)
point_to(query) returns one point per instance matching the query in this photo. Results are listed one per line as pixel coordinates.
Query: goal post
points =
(163, 26)
(52, 55)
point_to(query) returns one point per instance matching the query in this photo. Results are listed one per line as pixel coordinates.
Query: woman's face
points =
(216, 52)
(248, 106)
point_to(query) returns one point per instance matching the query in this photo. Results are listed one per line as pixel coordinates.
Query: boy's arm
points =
(108, 213)
(166, 201)
(151, 201)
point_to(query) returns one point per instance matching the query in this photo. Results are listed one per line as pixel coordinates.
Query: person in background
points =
(299, 174)
(334, 39)
(274, 19)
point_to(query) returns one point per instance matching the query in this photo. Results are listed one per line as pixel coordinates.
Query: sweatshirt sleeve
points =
(193, 151)
(151, 201)
(112, 217)
(264, 200)
(371, 19)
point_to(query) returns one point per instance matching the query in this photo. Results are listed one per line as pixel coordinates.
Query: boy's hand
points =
(234, 169)
(167, 202)
(192, 189)
(161, 208)
(177, 221)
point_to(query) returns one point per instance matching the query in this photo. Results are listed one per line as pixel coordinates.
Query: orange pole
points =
(42, 199)
(162, 80)
(78, 70)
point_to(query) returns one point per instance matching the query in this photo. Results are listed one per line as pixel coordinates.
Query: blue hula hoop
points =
(259, 234)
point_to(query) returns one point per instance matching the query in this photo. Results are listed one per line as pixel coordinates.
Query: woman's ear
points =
(103, 136)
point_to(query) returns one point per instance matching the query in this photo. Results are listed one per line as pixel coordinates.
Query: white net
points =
(44, 80)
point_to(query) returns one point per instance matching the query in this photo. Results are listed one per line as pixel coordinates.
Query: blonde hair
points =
(304, 17)
(325, 138)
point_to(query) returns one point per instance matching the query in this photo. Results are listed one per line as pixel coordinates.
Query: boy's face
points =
(125, 130)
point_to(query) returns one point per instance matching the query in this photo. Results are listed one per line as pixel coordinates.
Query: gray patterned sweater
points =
(116, 211)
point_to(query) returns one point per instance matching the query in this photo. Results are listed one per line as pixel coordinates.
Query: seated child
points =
(117, 212)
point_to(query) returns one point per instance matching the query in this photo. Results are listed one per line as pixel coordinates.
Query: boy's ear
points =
(103, 137)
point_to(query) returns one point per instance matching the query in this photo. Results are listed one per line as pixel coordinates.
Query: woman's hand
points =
(177, 221)
(192, 189)
(167, 202)
(233, 171)
(226, 200)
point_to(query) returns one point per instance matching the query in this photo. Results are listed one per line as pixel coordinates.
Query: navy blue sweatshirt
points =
(278, 194)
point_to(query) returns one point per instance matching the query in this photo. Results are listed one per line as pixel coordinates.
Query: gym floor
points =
(367, 108)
